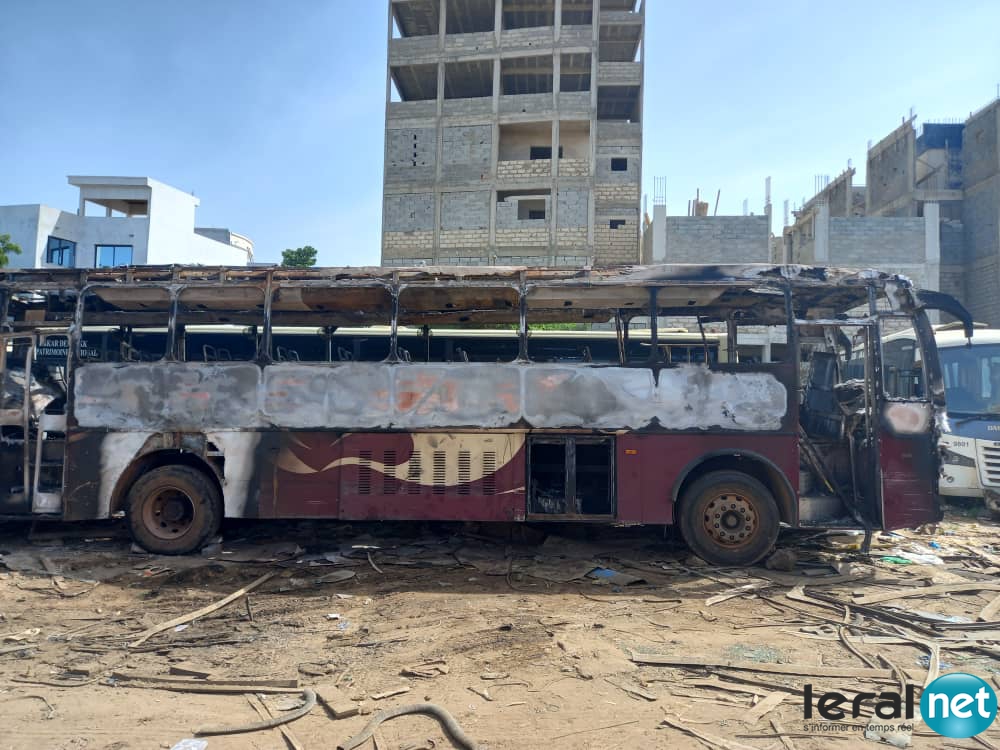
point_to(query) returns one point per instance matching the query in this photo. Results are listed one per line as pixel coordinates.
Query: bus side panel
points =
(650, 467)
(84, 484)
(908, 466)
(306, 475)
(440, 476)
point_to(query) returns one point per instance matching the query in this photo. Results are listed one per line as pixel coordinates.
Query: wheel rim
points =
(731, 519)
(169, 514)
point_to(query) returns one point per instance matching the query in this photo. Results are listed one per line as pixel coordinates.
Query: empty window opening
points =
(574, 73)
(120, 327)
(574, 140)
(620, 43)
(617, 223)
(526, 141)
(470, 16)
(571, 476)
(468, 80)
(577, 13)
(522, 205)
(527, 75)
(543, 152)
(618, 103)
(522, 15)
(619, 165)
(531, 210)
(417, 18)
(216, 325)
(415, 82)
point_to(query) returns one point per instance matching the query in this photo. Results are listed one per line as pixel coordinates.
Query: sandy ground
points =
(505, 631)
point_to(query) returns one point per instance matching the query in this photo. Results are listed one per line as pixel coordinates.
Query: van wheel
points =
(729, 518)
(173, 510)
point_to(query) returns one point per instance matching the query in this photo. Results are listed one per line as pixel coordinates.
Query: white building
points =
(120, 221)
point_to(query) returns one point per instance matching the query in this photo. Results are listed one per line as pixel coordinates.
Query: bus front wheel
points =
(173, 510)
(729, 518)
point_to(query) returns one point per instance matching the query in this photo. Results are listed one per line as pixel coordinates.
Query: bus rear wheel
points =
(729, 518)
(173, 510)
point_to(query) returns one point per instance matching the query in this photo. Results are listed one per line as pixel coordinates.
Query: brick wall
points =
(527, 169)
(412, 154)
(407, 244)
(717, 239)
(408, 212)
(620, 245)
(890, 167)
(876, 241)
(574, 168)
(465, 210)
(466, 239)
(527, 236)
(574, 209)
(980, 146)
(616, 193)
(467, 152)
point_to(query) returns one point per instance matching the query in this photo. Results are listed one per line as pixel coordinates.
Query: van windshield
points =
(972, 378)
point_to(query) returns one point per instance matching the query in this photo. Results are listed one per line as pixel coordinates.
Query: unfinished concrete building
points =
(930, 209)
(513, 132)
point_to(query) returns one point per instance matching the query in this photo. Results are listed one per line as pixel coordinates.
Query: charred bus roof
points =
(448, 295)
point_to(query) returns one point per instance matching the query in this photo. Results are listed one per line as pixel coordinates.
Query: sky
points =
(272, 111)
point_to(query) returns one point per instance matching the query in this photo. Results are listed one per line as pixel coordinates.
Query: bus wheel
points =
(173, 510)
(729, 518)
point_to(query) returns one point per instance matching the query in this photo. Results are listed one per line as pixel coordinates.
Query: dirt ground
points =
(513, 632)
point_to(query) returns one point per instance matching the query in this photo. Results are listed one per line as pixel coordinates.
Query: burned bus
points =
(178, 396)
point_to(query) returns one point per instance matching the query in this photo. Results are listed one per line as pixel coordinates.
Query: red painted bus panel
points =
(649, 467)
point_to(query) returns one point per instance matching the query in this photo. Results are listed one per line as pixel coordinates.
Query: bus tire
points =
(173, 510)
(728, 518)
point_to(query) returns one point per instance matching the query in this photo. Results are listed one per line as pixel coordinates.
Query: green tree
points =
(7, 248)
(300, 257)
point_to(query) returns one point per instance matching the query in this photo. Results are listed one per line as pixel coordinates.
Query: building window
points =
(61, 252)
(617, 223)
(619, 165)
(543, 152)
(110, 256)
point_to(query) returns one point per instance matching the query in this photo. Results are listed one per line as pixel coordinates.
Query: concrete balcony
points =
(574, 168)
(534, 104)
(576, 36)
(527, 169)
(413, 110)
(617, 17)
(619, 74)
(574, 103)
(411, 49)
(619, 133)
(532, 38)
(468, 107)
(470, 44)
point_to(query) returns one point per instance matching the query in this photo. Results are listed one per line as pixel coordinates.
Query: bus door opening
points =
(571, 477)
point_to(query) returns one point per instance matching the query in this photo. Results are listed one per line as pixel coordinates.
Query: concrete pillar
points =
(932, 250)
(821, 240)
(659, 230)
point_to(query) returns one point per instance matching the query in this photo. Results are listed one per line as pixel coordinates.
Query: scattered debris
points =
(445, 719)
(613, 577)
(185, 619)
(494, 676)
(264, 711)
(189, 669)
(749, 588)
(484, 694)
(336, 702)
(804, 670)
(389, 693)
(427, 669)
(765, 706)
(784, 559)
(310, 703)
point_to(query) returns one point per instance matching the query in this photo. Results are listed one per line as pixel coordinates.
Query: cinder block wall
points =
(718, 239)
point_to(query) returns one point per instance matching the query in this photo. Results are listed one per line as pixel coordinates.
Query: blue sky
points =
(272, 112)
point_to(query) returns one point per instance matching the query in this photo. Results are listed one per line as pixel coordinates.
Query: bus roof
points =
(440, 295)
